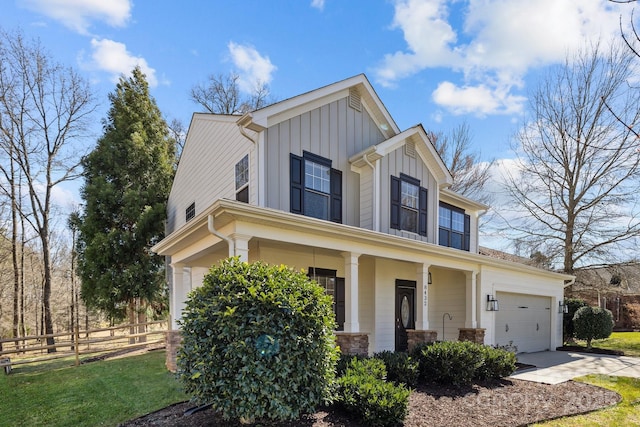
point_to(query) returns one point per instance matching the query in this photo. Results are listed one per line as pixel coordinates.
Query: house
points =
(327, 182)
(615, 287)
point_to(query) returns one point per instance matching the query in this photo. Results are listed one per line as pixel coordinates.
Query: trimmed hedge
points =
(461, 362)
(258, 343)
(592, 323)
(362, 390)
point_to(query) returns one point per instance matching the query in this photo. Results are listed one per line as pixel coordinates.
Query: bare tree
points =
(470, 173)
(221, 94)
(577, 181)
(44, 109)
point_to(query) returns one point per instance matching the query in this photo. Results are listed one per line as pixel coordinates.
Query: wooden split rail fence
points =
(33, 349)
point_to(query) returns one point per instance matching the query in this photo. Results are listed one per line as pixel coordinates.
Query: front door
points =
(405, 311)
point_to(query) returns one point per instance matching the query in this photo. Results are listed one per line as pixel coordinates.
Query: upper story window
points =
(316, 188)
(242, 180)
(190, 212)
(455, 227)
(408, 205)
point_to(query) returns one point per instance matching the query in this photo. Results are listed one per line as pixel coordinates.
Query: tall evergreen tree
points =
(127, 181)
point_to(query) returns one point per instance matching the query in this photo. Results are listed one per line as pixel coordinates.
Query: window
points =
(190, 211)
(316, 188)
(454, 227)
(242, 180)
(333, 286)
(408, 205)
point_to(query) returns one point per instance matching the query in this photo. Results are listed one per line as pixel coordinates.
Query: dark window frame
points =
(190, 212)
(338, 292)
(242, 187)
(447, 235)
(298, 188)
(397, 205)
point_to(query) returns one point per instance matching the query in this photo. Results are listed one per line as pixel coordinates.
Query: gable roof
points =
(424, 148)
(273, 114)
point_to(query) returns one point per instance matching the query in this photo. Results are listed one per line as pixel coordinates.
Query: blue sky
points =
(434, 62)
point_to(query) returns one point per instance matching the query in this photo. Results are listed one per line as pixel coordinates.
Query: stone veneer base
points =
(173, 341)
(356, 343)
(475, 335)
(417, 337)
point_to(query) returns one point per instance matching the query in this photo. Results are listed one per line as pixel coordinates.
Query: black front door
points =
(405, 311)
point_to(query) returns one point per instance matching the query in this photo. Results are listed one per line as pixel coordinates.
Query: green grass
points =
(95, 394)
(628, 342)
(626, 413)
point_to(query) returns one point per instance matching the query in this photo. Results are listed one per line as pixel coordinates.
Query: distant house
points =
(327, 182)
(615, 287)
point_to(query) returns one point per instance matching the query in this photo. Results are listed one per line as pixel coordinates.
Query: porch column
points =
(241, 243)
(471, 302)
(351, 314)
(178, 294)
(422, 297)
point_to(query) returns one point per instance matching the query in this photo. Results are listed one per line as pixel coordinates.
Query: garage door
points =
(524, 320)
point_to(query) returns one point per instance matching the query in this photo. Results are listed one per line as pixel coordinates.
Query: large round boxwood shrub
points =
(592, 323)
(258, 342)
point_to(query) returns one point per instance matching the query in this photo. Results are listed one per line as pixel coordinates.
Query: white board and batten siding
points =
(395, 163)
(334, 131)
(206, 171)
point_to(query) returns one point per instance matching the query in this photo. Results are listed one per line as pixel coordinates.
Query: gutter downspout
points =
(244, 120)
(230, 242)
(376, 202)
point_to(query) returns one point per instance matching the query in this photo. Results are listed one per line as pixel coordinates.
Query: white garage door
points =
(524, 320)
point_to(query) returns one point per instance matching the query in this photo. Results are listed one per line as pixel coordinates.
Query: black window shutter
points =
(395, 202)
(336, 196)
(339, 300)
(296, 175)
(422, 212)
(467, 233)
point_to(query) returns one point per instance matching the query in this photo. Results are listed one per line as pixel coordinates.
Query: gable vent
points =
(354, 100)
(410, 149)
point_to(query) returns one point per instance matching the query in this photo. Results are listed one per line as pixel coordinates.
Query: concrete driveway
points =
(554, 367)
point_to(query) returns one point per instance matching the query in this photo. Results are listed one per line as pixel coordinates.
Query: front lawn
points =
(623, 414)
(99, 393)
(627, 342)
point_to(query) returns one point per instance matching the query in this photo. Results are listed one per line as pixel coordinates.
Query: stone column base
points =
(173, 341)
(475, 335)
(417, 337)
(356, 343)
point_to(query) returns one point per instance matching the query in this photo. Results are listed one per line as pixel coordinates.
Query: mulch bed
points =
(502, 403)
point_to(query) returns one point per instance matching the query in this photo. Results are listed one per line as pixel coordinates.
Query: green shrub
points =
(363, 391)
(258, 342)
(592, 323)
(450, 362)
(573, 305)
(401, 367)
(497, 363)
(344, 361)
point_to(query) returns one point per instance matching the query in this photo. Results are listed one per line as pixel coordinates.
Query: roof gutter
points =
(230, 242)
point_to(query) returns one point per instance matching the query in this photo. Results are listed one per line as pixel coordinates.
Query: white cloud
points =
(481, 100)
(493, 44)
(318, 4)
(79, 14)
(114, 58)
(253, 68)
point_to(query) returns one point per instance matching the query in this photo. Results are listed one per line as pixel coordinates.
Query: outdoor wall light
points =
(562, 307)
(429, 280)
(492, 303)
